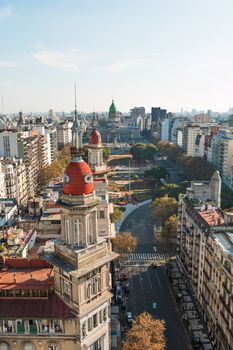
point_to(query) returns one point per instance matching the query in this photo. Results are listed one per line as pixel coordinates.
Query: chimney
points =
(14, 278)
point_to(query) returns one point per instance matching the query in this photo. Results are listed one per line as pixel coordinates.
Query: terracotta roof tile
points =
(53, 307)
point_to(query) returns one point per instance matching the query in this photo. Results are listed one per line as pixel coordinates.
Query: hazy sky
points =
(169, 53)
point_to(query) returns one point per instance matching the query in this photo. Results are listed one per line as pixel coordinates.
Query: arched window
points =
(78, 232)
(28, 346)
(67, 230)
(89, 229)
(53, 347)
(4, 346)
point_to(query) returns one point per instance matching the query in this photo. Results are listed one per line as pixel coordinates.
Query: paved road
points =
(148, 285)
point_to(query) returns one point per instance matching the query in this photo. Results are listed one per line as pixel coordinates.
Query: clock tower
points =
(81, 258)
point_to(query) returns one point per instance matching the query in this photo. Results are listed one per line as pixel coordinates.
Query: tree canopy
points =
(157, 173)
(171, 189)
(143, 151)
(170, 226)
(56, 169)
(163, 207)
(117, 213)
(124, 243)
(145, 334)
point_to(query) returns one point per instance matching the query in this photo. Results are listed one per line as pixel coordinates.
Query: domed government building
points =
(117, 127)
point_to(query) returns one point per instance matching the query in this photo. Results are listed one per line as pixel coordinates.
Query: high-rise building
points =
(64, 134)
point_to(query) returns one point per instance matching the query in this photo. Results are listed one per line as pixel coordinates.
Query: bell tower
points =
(95, 152)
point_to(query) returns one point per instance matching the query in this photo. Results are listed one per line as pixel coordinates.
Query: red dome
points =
(78, 179)
(95, 138)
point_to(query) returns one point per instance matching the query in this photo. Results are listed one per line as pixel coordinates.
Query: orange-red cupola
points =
(78, 179)
(95, 138)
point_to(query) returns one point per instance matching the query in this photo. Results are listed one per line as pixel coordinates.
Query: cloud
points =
(5, 12)
(61, 60)
(8, 64)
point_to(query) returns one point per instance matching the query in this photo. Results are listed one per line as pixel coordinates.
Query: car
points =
(129, 317)
(124, 276)
(126, 288)
(119, 294)
(154, 265)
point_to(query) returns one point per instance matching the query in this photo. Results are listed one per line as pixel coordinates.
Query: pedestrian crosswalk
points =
(145, 256)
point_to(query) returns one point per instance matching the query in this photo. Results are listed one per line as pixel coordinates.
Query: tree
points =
(145, 334)
(117, 214)
(56, 168)
(170, 226)
(124, 243)
(172, 190)
(157, 173)
(142, 151)
(163, 207)
(106, 153)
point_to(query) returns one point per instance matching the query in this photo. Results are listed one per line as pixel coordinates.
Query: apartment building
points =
(217, 288)
(14, 177)
(64, 133)
(205, 242)
(222, 154)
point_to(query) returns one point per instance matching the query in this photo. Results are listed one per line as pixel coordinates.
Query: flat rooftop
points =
(213, 217)
(225, 240)
(23, 273)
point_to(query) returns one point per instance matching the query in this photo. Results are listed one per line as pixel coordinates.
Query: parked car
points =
(119, 294)
(124, 276)
(126, 288)
(129, 317)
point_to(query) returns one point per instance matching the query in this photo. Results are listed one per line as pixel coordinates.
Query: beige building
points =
(217, 288)
(205, 245)
(15, 179)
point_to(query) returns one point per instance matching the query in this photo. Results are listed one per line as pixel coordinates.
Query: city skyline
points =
(173, 54)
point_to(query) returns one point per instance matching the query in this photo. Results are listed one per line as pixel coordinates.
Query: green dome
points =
(112, 108)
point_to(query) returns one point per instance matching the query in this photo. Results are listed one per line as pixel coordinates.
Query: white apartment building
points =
(222, 154)
(64, 133)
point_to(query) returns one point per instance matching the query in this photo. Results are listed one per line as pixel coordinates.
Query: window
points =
(67, 230)
(78, 232)
(28, 346)
(8, 326)
(101, 316)
(6, 145)
(95, 320)
(98, 345)
(84, 331)
(67, 288)
(102, 216)
(90, 324)
(90, 229)
(4, 346)
(52, 347)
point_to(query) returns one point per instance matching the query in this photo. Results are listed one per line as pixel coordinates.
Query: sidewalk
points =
(188, 308)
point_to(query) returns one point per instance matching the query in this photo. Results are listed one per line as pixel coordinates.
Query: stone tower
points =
(216, 184)
(81, 257)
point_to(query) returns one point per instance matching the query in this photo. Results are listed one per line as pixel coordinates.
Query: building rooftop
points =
(27, 274)
(225, 240)
(213, 217)
(51, 307)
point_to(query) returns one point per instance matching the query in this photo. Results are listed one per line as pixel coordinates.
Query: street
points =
(150, 285)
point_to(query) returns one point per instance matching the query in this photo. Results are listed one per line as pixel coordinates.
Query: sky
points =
(169, 53)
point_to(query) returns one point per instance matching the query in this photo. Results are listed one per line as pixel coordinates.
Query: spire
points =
(77, 134)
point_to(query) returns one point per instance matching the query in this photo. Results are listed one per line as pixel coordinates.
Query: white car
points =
(129, 317)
